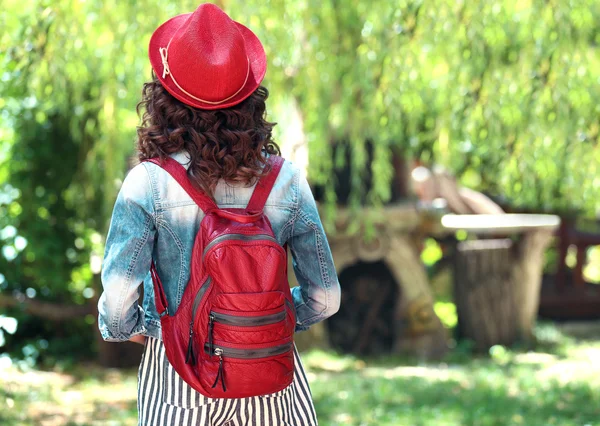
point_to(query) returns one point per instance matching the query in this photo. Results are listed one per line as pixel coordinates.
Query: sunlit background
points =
(401, 112)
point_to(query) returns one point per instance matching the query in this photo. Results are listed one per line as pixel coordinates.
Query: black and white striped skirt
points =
(164, 399)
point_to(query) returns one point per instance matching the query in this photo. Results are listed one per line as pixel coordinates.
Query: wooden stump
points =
(497, 288)
(484, 293)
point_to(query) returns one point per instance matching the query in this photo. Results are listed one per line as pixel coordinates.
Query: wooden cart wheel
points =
(364, 323)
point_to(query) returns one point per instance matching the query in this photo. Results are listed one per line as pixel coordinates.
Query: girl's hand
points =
(138, 338)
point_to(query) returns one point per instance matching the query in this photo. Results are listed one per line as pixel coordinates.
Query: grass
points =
(530, 389)
(87, 396)
(550, 387)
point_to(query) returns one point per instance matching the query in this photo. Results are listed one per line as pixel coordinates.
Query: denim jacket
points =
(154, 218)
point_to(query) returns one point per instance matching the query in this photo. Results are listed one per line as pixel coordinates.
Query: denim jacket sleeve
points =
(318, 295)
(127, 258)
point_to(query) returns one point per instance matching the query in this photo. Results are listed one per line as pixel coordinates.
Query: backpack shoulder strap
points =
(206, 204)
(179, 173)
(264, 185)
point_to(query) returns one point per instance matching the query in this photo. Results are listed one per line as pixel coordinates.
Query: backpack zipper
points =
(220, 374)
(211, 322)
(241, 237)
(190, 358)
(225, 351)
(247, 321)
(240, 321)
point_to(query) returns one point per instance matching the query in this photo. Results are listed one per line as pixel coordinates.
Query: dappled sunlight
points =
(580, 366)
(520, 388)
(453, 148)
(528, 388)
(52, 399)
(432, 373)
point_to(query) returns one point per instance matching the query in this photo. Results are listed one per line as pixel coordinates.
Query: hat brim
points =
(254, 48)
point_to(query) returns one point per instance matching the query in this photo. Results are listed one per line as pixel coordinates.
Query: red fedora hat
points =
(207, 60)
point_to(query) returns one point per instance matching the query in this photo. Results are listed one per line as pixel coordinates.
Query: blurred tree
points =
(500, 92)
(68, 126)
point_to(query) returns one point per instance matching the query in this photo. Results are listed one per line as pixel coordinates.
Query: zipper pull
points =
(211, 319)
(190, 358)
(220, 373)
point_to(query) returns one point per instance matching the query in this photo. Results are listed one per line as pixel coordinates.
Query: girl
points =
(205, 108)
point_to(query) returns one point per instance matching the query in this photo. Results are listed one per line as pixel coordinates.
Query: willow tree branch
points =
(47, 310)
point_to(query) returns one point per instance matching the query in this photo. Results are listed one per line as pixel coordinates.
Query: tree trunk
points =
(419, 331)
(527, 274)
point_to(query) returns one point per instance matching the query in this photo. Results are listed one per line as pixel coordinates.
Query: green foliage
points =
(529, 128)
(431, 253)
(446, 312)
(68, 113)
(501, 92)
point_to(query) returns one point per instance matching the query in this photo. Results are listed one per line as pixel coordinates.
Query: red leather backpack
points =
(232, 333)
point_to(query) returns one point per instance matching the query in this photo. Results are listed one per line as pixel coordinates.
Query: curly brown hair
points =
(227, 143)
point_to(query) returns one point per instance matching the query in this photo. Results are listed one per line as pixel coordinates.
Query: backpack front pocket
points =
(249, 334)
(250, 318)
(248, 369)
(248, 329)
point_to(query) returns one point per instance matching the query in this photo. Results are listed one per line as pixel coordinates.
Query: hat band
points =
(166, 71)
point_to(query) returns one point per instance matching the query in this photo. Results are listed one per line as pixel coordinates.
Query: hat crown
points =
(207, 60)
(207, 46)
